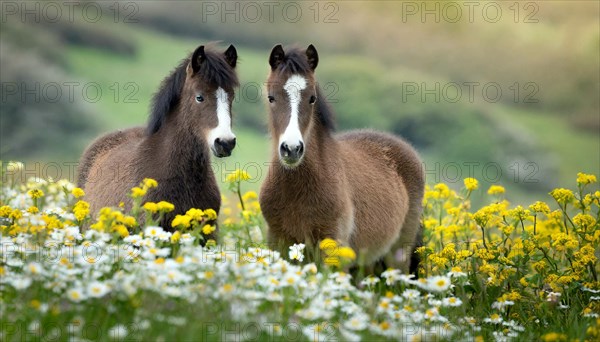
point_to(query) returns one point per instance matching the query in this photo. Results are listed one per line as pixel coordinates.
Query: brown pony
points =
(190, 117)
(363, 188)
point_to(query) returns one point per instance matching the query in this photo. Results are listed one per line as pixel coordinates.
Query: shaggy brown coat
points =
(363, 188)
(172, 149)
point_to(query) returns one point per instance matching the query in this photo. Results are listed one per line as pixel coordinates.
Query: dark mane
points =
(214, 70)
(324, 111)
(295, 62)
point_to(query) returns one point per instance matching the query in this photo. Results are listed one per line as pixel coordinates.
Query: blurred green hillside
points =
(377, 64)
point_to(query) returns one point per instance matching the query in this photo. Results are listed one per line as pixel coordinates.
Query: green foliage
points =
(33, 123)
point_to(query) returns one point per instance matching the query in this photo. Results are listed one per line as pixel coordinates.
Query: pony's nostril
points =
(300, 148)
(284, 149)
(218, 141)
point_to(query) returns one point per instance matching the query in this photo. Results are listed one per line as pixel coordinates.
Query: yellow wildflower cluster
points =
(77, 192)
(237, 176)
(585, 179)
(531, 250)
(110, 221)
(199, 222)
(471, 184)
(35, 193)
(495, 190)
(81, 210)
(160, 207)
(140, 191)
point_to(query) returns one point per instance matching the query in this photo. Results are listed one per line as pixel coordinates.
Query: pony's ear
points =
(197, 58)
(276, 57)
(231, 56)
(313, 57)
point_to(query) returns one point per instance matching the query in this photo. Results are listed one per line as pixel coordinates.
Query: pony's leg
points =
(400, 255)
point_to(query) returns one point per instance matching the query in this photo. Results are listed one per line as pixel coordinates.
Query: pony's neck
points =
(184, 154)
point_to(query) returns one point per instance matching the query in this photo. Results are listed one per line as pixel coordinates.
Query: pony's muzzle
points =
(223, 147)
(291, 154)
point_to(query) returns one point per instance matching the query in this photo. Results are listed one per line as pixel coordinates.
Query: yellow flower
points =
(175, 237)
(554, 337)
(81, 210)
(35, 193)
(496, 190)
(471, 183)
(122, 230)
(195, 214)
(181, 220)
(237, 175)
(5, 211)
(346, 252)
(443, 190)
(519, 213)
(16, 214)
(247, 215)
(78, 192)
(584, 179)
(328, 243)
(540, 207)
(151, 207)
(250, 195)
(208, 229)
(149, 183)
(128, 221)
(584, 220)
(210, 214)
(165, 206)
(34, 303)
(562, 196)
(33, 210)
(137, 192)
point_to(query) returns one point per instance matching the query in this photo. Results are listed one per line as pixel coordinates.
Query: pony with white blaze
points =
(190, 117)
(362, 188)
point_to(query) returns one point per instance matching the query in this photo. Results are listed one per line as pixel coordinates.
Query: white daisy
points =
(296, 252)
(76, 294)
(97, 289)
(451, 301)
(153, 232)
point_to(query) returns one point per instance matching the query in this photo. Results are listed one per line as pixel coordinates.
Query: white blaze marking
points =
(292, 136)
(223, 129)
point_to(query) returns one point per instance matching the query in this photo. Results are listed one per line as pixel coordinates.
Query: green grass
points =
(575, 150)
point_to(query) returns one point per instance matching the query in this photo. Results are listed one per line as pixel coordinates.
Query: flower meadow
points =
(497, 273)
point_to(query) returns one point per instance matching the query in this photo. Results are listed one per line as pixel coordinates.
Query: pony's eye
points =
(271, 99)
(199, 98)
(312, 99)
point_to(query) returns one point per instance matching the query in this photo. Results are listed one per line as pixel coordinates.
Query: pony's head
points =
(295, 107)
(200, 92)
